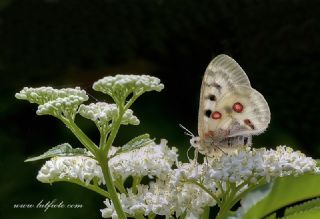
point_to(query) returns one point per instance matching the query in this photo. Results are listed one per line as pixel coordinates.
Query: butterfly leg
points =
(207, 164)
(195, 158)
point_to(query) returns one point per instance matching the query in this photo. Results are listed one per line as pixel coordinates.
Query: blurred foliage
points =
(67, 43)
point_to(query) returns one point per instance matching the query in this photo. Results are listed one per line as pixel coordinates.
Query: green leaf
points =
(64, 149)
(252, 198)
(303, 207)
(283, 192)
(313, 213)
(271, 216)
(135, 143)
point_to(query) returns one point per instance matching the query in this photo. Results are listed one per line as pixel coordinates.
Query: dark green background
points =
(67, 43)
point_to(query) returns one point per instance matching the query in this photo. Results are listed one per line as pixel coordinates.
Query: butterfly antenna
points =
(187, 132)
(93, 97)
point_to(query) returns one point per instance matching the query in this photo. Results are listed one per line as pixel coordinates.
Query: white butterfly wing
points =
(250, 118)
(222, 75)
(229, 107)
(226, 67)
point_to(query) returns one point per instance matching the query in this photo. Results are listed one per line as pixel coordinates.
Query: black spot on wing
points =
(208, 113)
(212, 97)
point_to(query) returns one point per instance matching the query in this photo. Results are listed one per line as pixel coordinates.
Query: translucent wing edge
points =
(226, 64)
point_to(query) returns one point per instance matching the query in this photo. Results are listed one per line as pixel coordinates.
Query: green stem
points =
(151, 216)
(227, 201)
(102, 157)
(139, 216)
(231, 197)
(249, 189)
(221, 189)
(103, 161)
(119, 186)
(133, 98)
(88, 186)
(135, 182)
(115, 128)
(206, 213)
(103, 137)
(183, 216)
(206, 190)
(82, 137)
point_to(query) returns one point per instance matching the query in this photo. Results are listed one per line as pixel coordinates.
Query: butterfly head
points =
(195, 141)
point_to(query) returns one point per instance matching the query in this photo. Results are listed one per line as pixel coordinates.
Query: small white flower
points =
(43, 95)
(154, 160)
(80, 168)
(252, 164)
(55, 102)
(163, 198)
(120, 86)
(102, 113)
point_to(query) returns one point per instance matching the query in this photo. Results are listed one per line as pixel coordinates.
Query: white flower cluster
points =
(162, 198)
(56, 102)
(252, 164)
(123, 85)
(178, 194)
(171, 195)
(102, 113)
(80, 168)
(153, 160)
(178, 188)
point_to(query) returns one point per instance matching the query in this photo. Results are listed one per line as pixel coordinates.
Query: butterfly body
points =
(230, 110)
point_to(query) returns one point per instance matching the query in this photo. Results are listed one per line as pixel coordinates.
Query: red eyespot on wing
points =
(237, 107)
(216, 115)
(248, 123)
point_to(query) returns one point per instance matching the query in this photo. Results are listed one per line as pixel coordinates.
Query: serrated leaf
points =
(313, 213)
(285, 191)
(303, 206)
(135, 143)
(64, 149)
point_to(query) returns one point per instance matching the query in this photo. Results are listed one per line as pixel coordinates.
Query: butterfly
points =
(230, 110)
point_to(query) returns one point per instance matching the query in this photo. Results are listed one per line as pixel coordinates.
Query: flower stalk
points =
(103, 161)
(82, 137)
